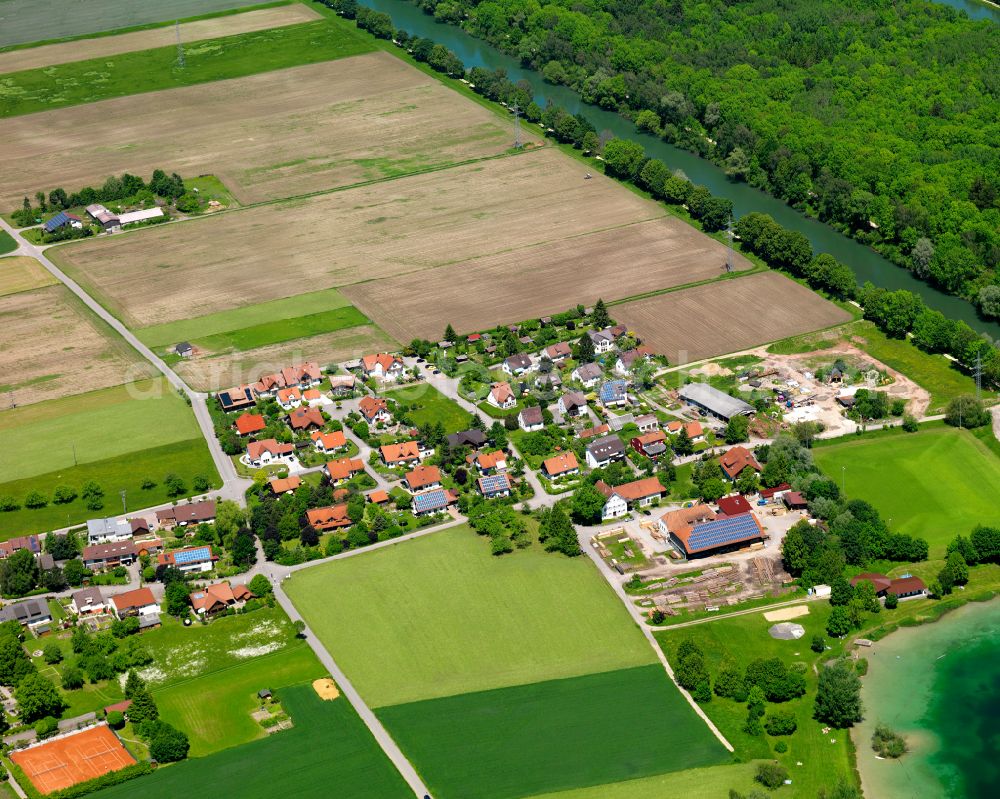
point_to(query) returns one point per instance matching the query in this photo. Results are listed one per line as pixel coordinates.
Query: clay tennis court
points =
(76, 758)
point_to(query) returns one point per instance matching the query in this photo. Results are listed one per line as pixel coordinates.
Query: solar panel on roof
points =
(723, 531)
(193, 555)
(494, 482)
(430, 500)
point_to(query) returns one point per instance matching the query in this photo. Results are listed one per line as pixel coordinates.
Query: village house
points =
(548, 381)
(628, 360)
(189, 559)
(694, 431)
(593, 432)
(620, 499)
(651, 445)
(329, 517)
(32, 613)
(284, 485)
(103, 217)
(329, 442)
(103, 531)
(560, 466)
(343, 469)
(87, 601)
(735, 460)
(697, 531)
(794, 500)
(12, 545)
(613, 393)
(674, 427)
(531, 419)
(434, 501)
(589, 374)
(374, 410)
(300, 377)
(138, 602)
(572, 403)
(216, 598)
(423, 478)
(603, 340)
(249, 423)
(140, 526)
(305, 418)
(102, 557)
(268, 452)
(379, 497)
(289, 398)
(148, 546)
(467, 438)
(314, 398)
(558, 352)
(192, 513)
(647, 423)
(490, 462)
(383, 366)
(775, 493)
(604, 451)
(517, 364)
(501, 396)
(494, 485)
(905, 587)
(236, 399)
(396, 455)
(61, 220)
(341, 385)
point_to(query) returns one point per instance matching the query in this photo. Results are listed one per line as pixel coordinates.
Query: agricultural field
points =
(278, 134)
(402, 227)
(935, 483)
(728, 316)
(20, 273)
(473, 649)
(40, 438)
(222, 371)
(428, 405)
(55, 347)
(164, 36)
(327, 746)
(28, 21)
(7, 243)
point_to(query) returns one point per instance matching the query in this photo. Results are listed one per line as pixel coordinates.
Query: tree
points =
(840, 591)
(771, 775)
(623, 159)
(450, 334)
(18, 573)
(587, 505)
(864, 594)
(683, 445)
(713, 489)
(748, 482)
(557, 533)
(817, 644)
(14, 663)
(37, 697)
(72, 678)
(585, 352)
(599, 317)
(63, 494)
(133, 684)
(35, 500)
(737, 430)
(966, 411)
(74, 572)
(52, 653)
(243, 551)
(174, 485)
(731, 683)
(839, 622)
(177, 599)
(260, 586)
(838, 697)
(143, 707)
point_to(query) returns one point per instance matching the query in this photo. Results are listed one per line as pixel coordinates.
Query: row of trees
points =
(93, 495)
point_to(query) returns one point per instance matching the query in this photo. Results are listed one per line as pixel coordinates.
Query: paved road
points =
(233, 486)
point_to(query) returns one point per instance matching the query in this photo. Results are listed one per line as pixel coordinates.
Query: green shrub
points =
(782, 722)
(771, 775)
(781, 747)
(116, 719)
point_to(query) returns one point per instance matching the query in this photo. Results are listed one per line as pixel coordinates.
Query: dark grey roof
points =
(471, 438)
(606, 447)
(532, 416)
(91, 595)
(29, 611)
(714, 401)
(589, 371)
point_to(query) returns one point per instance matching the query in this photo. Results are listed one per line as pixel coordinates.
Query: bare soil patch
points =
(725, 317)
(84, 49)
(20, 273)
(219, 372)
(326, 688)
(277, 134)
(510, 218)
(51, 347)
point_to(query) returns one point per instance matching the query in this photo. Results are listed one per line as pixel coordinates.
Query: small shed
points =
(184, 349)
(794, 500)
(264, 694)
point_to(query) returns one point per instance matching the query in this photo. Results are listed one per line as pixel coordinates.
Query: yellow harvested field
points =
(515, 213)
(214, 373)
(19, 273)
(277, 134)
(83, 49)
(728, 316)
(52, 347)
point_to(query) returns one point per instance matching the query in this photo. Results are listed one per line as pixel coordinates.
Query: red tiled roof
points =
(880, 581)
(378, 496)
(343, 468)
(680, 521)
(501, 392)
(560, 464)
(639, 489)
(370, 406)
(283, 486)
(249, 423)
(301, 418)
(136, 598)
(255, 449)
(334, 440)
(734, 461)
(694, 429)
(329, 518)
(590, 432)
(733, 506)
(490, 460)
(767, 493)
(423, 476)
(396, 453)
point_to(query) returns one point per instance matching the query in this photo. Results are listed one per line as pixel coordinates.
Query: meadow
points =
(28, 21)
(102, 78)
(20, 273)
(127, 473)
(711, 782)
(727, 316)
(935, 483)
(56, 435)
(428, 405)
(472, 622)
(327, 746)
(7, 243)
(571, 733)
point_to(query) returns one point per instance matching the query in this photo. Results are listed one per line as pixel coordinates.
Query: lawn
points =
(281, 330)
(441, 616)
(7, 243)
(329, 752)
(570, 733)
(713, 782)
(214, 709)
(152, 70)
(20, 273)
(121, 473)
(428, 405)
(248, 316)
(935, 483)
(52, 436)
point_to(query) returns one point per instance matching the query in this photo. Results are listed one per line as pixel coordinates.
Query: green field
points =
(152, 70)
(935, 483)
(281, 330)
(7, 243)
(329, 752)
(441, 616)
(712, 782)
(41, 438)
(571, 733)
(430, 405)
(250, 316)
(29, 21)
(214, 709)
(123, 472)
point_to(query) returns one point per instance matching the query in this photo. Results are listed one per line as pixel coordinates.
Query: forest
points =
(879, 117)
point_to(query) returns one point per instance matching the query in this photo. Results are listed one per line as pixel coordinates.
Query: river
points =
(865, 262)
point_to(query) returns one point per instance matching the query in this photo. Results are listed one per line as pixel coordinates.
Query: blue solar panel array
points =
(723, 531)
(613, 390)
(56, 222)
(193, 555)
(432, 500)
(494, 483)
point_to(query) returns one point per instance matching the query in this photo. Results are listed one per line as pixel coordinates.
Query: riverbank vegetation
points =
(879, 118)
